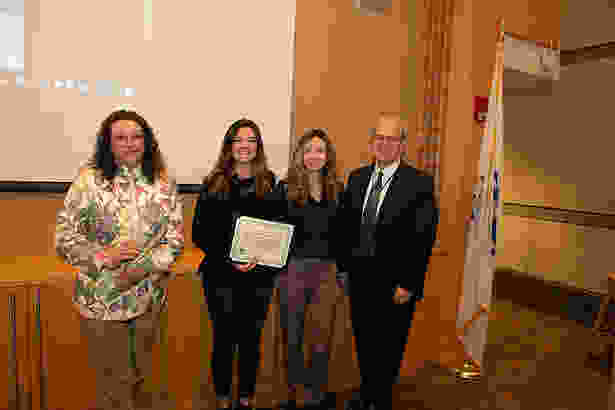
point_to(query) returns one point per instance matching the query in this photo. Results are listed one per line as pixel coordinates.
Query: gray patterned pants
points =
(298, 287)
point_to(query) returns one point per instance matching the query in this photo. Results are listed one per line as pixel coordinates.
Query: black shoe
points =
(287, 405)
(357, 404)
(382, 405)
(328, 403)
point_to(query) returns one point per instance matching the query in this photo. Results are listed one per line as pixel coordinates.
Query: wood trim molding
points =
(62, 187)
(568, 216)
(552, 44)
(589, 53)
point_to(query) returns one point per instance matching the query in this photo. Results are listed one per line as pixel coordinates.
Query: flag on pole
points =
(486, 215)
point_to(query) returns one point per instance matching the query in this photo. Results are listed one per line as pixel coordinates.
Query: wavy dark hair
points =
(153, 163)
(298, 181)
(219, 179)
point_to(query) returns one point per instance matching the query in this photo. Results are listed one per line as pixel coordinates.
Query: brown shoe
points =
(223, 404)
(251, 404)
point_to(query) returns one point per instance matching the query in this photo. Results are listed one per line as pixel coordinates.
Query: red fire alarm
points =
(481, 107)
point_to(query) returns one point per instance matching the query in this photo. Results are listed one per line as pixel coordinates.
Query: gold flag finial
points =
(500, 29)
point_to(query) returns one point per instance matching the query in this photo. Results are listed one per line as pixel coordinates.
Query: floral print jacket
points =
(98, 214)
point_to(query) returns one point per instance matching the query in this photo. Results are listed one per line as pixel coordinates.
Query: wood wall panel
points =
(184, 340)
(7, 380)
(432, 336)
(69, 381)
(35, 364)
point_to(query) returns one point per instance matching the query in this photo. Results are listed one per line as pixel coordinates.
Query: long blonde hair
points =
(298, 181)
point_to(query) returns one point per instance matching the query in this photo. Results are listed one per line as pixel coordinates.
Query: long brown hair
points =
(219, 179)
(298, 182)
(153, 164)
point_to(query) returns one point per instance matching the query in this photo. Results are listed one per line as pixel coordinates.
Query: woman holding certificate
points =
(238, 295)
(312, 193)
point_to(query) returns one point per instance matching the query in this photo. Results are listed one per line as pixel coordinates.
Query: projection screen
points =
(190, 68)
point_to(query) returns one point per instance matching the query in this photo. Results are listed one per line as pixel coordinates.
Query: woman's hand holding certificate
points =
(266, 241)
(246, 268)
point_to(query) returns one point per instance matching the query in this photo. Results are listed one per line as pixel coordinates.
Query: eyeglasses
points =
(387, 138)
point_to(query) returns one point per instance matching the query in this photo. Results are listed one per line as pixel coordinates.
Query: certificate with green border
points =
(267, 241)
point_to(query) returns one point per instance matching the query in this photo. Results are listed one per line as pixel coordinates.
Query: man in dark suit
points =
(390, 220)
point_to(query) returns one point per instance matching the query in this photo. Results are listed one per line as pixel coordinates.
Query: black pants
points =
(238, 311)
(381, 332)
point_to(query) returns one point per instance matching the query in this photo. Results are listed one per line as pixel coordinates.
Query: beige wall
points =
(349, 67)
(577, 256)
(587, 23)
(558, 153)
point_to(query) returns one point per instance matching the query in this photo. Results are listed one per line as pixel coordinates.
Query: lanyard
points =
(381, 194)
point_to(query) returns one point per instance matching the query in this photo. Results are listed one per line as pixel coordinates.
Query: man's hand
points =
(246, 268)
(401, 296)
(129, 277)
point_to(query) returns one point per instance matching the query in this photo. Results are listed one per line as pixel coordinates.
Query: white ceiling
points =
(583, 23)
(12, 7)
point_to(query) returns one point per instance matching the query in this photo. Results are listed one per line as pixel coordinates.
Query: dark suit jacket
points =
(405, 232)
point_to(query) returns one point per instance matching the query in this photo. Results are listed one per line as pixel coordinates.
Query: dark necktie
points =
(371, 208)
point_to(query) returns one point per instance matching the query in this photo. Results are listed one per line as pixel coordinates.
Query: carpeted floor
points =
(536, 357)
(533, 361)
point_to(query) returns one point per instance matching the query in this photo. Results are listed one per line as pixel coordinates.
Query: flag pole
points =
(471, 371)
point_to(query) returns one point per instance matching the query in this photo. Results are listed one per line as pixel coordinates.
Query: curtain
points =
(432, 118)
(294, 138)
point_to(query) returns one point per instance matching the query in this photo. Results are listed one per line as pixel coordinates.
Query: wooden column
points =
(446, 274)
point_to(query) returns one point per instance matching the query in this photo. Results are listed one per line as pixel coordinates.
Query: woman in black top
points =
(312, 193)
(237, 295)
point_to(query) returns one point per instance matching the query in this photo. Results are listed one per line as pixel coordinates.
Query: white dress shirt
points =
(387, 177)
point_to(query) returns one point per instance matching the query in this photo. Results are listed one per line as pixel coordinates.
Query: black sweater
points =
(213, 226)
(318, 229)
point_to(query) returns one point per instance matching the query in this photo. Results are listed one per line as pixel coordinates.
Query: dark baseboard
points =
(555, 298)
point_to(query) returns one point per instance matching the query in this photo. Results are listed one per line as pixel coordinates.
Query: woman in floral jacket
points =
(122, 226)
